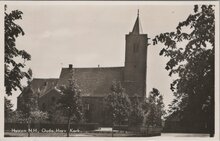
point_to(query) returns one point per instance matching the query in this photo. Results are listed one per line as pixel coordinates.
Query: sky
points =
(92, 35)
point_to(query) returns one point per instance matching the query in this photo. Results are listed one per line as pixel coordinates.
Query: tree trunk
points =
(147, 129)
(112, 131)
(28, 130)
(68, 128)
(112, 125)
(119, 127)
(68, 125)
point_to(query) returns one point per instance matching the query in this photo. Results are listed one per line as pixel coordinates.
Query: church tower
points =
(136, 61)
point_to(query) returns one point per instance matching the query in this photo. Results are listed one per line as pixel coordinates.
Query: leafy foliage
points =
(38, 115)
(29, 110)
(32, 116)
(153, 109)
(55, 114)
(28, 102)
(29, 105)
(194, 64)
(118, 104)
(8, 109)
(35, 116)
(70, 102)
(13, 68)
(136, 115)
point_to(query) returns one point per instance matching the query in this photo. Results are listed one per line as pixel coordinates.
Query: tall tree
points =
(154, 109)
(55, 114)
(13, 69)
(118, 104)
(29, 110)
(136, 113)
(193, 64)
(70, 102)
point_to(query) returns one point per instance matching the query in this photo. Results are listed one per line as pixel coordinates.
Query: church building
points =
(95, 83)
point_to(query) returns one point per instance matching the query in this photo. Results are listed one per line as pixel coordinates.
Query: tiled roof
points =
(92, 81)
(42, 86)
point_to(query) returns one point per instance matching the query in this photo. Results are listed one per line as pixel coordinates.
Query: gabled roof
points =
(26, 90)
(92, 81)
(42, 86)
(52, 91)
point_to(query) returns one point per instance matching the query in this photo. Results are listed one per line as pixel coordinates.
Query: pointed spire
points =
(136, 28)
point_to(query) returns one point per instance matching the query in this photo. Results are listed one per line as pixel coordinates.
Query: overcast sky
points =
(88, 35)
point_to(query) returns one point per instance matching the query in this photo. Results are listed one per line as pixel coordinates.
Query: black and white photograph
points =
(110, 69)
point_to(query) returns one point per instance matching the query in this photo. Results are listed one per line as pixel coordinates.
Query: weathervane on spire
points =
(138, 13)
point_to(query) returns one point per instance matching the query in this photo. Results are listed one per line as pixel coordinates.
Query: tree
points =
(193, 64)
(30, 117)
(55, 114)
(154, 109)
(136, 113)
(118, 104)
(29, 110)
(70, 102)
(13, 69)
(8, 109)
